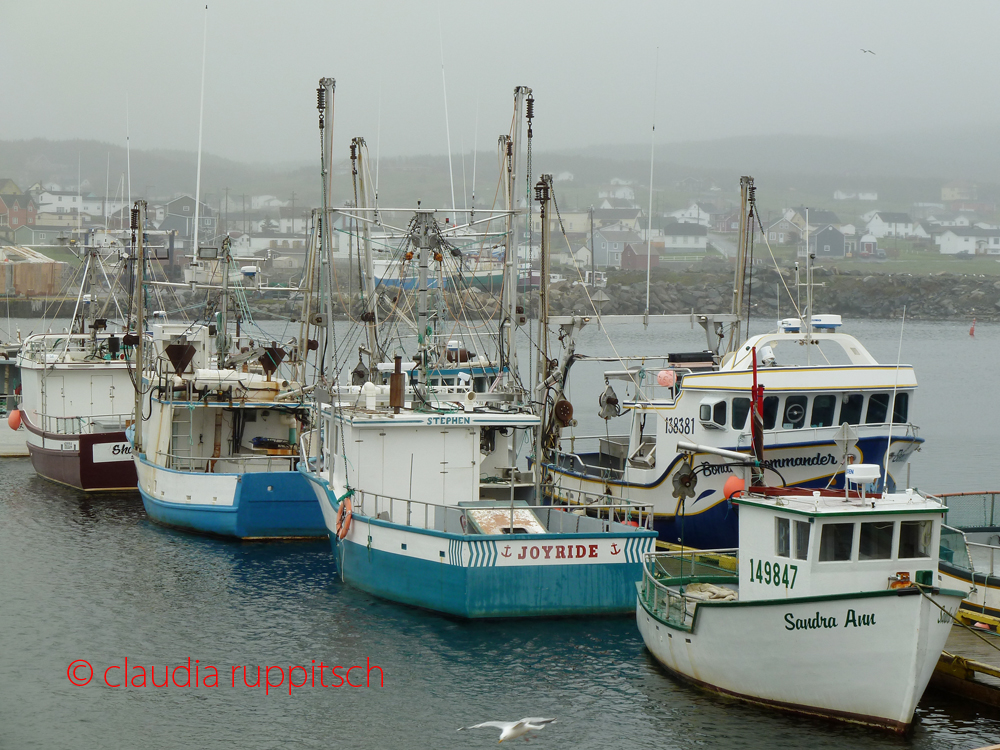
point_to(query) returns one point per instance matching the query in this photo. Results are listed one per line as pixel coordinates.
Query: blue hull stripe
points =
(482, 590)
(288, 510)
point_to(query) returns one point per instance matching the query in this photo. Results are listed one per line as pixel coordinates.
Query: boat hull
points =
(253, 505)
(810, 655)
(99, 462)
(489, 576)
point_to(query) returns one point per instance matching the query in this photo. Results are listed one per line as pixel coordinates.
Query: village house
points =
(619, 189)
(180, 218)
(826, 242)
(696, 213)
(783, 232)
(626, 218)
(16, 210)
(609, 245)
(891, 224)
(818, 217)
(968, 240)
(634, 258)
(684, 238)
(293, 221)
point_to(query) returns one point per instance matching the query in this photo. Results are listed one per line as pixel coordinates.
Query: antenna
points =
(649, 218)
(128, 153)
(378, 143)
(201, 118)
(447, 127)
(475, 148)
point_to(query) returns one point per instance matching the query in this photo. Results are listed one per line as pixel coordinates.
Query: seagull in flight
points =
(868, 51)
(511, 730)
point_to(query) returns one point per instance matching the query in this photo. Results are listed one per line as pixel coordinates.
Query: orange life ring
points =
(344, 516)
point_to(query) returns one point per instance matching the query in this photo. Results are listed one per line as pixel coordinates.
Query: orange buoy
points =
(14, 419)
(344, 517)
(733, 486)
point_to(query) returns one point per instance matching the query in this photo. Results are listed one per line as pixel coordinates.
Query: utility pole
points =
(593, 259)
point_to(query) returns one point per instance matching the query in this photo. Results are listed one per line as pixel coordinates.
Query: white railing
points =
(452, 519)
(85, 425)
(241, 464)
(669, 603)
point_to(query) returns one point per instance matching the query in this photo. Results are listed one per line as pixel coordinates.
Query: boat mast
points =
(371, 313)
(222, 339)
(739, 276)
(425, 238)
(324, 103)
(542, 194)
(201, 119)
(138, 228)
(807, 323)
(511, 278)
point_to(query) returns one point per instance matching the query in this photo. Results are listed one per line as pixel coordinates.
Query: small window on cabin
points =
(782, 538)
(915, 538)
(719, 414)
(850, 409)
(795, 412)
(878, 408)
(901, 407)
(741, 407)
(802, 540)
(823, 410)
(836, 541)
(876, 541)
(770, 415)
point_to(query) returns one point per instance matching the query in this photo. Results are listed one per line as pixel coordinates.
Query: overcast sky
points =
(725, 68)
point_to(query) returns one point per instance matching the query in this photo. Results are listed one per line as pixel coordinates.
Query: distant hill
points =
(903, 168)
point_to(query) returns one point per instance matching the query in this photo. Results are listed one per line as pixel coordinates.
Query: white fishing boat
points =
(828, 607)
(828, 403)
(76, 390)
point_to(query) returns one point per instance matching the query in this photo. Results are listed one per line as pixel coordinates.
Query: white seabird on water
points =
(511, 730)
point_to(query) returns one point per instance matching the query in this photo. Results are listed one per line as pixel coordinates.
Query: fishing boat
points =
(420, 487)
(825, 587)
(76, 392)
(970, 554)
(221, 409)
(829, 403)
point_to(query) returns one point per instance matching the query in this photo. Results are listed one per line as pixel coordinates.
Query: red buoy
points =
(14, 419)
(733, 486)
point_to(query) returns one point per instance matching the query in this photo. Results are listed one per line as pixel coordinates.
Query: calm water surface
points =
(88, 577)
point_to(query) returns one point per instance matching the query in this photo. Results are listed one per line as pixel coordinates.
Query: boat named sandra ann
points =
(825, 587)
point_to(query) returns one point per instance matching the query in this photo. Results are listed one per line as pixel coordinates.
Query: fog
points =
(97, 71)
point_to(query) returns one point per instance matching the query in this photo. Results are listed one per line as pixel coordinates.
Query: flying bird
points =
(511, 730)
(868, 51)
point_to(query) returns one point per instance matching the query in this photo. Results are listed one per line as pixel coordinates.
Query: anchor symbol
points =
(506, 551)
(614, 549)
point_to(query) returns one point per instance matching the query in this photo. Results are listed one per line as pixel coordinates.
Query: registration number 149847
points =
(773, 574)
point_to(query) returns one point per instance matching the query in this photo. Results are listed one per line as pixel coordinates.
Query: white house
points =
(694, 214)
(619, 188)
(890, 224)
(971, 240)
(684, 237)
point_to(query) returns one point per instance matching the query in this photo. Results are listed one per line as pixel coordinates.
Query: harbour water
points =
(90, 578)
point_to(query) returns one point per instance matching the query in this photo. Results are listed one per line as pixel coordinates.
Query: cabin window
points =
(782, 538)
(878, 408)
(801, 540)
(713, 414)
(741, 407)
(823, 409)
(795, 412)
(915, 538)
(770, 415)
(836, 542)
(850, 409)
(901, 407)
(876, 541)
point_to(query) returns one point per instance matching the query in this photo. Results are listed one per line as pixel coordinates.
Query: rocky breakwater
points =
(851, 293)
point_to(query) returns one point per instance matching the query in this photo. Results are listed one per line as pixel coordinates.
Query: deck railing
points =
(452, 519)
(972, 511)
(91, 424)
(240, 464)
(664, 575)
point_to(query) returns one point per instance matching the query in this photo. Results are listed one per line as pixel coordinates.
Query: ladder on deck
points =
(181, 439)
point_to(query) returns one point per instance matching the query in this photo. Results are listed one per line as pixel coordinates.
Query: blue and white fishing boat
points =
(828, 403)
(220, 415)
(825, 587)
(421, 491)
